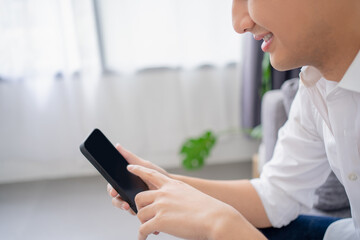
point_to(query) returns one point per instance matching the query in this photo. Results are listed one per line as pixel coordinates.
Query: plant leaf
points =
(196, 150)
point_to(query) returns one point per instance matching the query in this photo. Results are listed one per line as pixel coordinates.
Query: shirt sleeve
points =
(299, 165)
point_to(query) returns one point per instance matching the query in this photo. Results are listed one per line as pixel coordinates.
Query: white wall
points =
(43, 123)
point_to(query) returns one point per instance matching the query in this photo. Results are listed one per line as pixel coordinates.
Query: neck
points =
(334, 69)
(343, 43)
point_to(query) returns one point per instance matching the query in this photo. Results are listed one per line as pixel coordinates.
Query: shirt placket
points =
(344, 118)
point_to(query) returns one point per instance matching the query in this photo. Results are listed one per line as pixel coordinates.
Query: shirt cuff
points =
(279, 207)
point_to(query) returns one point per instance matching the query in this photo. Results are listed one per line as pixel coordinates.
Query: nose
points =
(241, 19)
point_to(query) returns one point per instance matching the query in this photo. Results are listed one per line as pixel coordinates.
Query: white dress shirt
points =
(321, 134)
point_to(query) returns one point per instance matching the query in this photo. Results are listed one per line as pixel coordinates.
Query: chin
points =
(282, 64)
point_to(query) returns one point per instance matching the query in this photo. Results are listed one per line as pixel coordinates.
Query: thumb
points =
(129, 156)
(149, 175)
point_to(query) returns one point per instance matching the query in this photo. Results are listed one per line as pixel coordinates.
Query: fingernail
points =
(131, 167)
(117, 145)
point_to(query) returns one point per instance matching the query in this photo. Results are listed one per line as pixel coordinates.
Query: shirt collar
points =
(310, 76)
(350, 81)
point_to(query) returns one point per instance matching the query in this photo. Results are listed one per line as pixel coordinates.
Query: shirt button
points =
(352, 177)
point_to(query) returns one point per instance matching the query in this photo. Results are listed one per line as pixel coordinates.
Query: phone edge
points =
(107, 176)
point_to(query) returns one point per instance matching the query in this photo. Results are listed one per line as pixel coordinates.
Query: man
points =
(322, 134)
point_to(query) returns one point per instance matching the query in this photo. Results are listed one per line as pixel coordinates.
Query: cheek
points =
(254, 10)
(292, 30)
(262, 12)
(275, 16)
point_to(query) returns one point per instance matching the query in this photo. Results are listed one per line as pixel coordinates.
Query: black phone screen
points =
(113, 164)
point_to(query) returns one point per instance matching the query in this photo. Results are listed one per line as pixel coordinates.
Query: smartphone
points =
(112, 166)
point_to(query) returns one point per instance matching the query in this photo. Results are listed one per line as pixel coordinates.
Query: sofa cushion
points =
(289, 90)
(332, 195)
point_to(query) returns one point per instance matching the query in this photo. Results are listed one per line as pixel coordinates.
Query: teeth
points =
(267, 37)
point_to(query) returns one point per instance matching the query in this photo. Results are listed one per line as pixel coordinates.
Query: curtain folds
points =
(150, 113)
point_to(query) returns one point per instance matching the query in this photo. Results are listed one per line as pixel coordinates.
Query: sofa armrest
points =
(273, 117)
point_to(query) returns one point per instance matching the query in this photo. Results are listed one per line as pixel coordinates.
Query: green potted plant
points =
(196, 150)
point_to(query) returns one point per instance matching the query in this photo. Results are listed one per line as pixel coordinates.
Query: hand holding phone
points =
(112, 166)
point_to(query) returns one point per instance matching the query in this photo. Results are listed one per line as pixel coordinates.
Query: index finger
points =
(149, 175)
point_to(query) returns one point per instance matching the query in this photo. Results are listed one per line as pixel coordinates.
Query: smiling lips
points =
(267, 37)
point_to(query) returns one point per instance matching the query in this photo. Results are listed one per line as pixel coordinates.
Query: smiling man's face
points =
(295, 32)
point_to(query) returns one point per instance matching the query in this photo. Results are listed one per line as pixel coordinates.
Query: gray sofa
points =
(274, 112)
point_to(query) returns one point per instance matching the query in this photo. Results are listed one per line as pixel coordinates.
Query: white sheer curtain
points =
(175, 33)
(45, 38)
(150, 112)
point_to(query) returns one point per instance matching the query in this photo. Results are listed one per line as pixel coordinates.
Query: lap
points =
(304, 227)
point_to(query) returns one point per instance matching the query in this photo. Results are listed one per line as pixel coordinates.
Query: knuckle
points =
(140, 216)
(161, 205)
(177, 182)
(150, 173)
(159, 219)
(116, 203)
(146, 163)
(142, 230)
(162, 193)
(138, 198)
